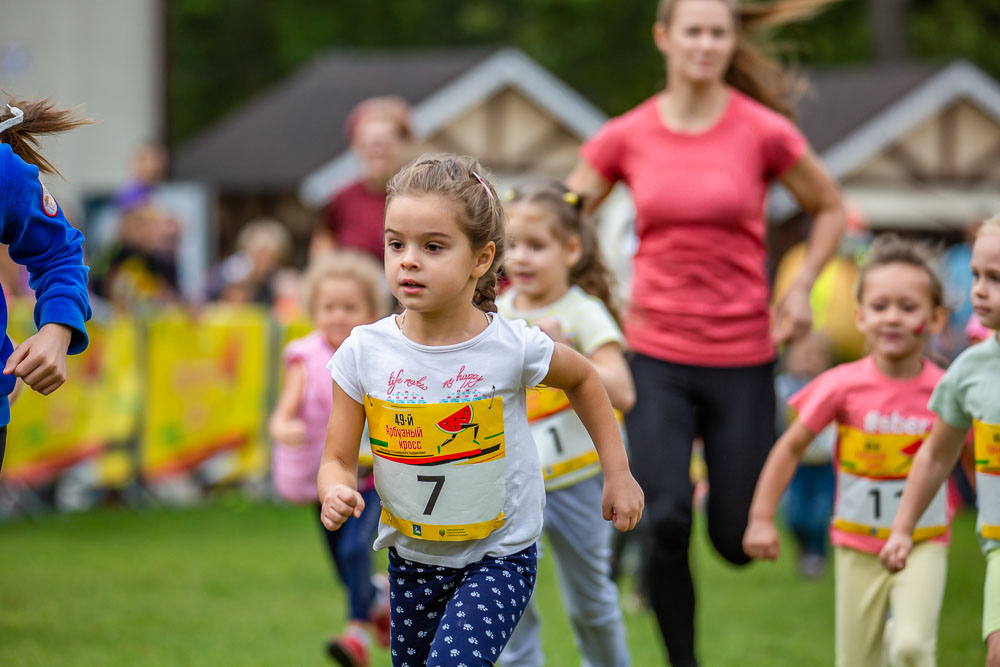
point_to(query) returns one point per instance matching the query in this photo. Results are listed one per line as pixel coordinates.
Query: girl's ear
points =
(484, 259)
(661, 37)
(859, 320)
(574, 250)
(939, 319)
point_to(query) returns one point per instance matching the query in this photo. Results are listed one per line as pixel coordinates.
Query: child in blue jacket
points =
(39, 237)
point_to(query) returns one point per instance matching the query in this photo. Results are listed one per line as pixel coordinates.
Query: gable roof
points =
(506, 68)
(285, 132)
(890, 101)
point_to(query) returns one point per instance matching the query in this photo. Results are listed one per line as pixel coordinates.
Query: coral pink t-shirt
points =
(354, 217)
(295, 468)
(700, 292)
(882, 423)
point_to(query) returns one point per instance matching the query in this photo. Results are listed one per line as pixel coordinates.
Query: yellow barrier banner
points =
(206, 390)
(98, 405)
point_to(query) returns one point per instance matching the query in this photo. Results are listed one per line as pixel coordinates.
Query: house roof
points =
(273, 141)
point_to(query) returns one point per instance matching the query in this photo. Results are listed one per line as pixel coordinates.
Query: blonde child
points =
(342, 290)
(559, 283)
(879, 403)
(968, 396)
(442, 386)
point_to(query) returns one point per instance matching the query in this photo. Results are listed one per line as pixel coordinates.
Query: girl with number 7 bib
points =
(880, 406)
(442, 387)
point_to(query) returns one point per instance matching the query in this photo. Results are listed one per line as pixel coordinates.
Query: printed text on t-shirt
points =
(398, 379)
(465, 380)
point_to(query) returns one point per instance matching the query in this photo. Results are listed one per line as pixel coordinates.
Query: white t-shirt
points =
(392, 375)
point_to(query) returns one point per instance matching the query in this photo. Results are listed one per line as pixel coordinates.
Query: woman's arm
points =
(337, 481)
(817, 194)
(761, 537)
(585, 181)
(570, 371)
(931, 466)
(611, 367)
(285, 426)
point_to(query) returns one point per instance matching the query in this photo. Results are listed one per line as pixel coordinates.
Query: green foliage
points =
(221, 52)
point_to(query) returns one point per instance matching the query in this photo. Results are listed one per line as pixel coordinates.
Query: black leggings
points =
(732, 409)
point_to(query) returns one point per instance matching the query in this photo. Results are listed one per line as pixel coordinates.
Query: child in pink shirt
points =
(880, 406)
(342, 290)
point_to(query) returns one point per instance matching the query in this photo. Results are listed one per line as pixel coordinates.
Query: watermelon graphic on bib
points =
(455, 423)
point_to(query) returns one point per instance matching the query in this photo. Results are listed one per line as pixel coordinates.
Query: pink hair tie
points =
(486, 187)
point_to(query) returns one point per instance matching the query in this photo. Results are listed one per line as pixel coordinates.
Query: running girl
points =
(342, 290)
(968, 396)
(879, 403)
(460, 519)
(560, 284)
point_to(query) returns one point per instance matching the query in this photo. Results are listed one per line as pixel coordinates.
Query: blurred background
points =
(223, 132)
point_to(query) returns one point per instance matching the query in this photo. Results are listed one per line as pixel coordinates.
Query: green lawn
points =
(235, 583)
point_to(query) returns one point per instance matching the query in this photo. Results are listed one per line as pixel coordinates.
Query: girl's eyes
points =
(434, 247)
(394, 245)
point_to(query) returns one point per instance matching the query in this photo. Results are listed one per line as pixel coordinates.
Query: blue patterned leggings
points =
(454, 617)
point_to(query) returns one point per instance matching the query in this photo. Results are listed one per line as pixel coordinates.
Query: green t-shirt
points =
(969, 395)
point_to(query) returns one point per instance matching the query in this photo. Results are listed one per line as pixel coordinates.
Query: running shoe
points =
(348, 650)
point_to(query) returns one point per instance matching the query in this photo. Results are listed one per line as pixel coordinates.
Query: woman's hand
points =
(761, 540)
(622, 500)
(41, 359)
(794, 316)
(339, 505)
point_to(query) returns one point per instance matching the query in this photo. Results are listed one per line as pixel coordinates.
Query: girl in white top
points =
(442, 387)
(560, 284)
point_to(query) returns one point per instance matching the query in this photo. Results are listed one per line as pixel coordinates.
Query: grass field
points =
(236, 583)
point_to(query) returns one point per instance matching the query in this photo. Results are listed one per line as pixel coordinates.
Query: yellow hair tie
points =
(571, 198)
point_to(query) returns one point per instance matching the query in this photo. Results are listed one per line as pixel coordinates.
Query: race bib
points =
(987, 444)
(565, 450)
(439, 467)
(872, 470)
(542, 402)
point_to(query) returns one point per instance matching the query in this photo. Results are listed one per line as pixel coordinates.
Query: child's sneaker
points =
(381, 626)
(348, 650)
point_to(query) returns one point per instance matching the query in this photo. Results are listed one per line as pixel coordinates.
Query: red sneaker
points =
(348, 650)
(381, 624)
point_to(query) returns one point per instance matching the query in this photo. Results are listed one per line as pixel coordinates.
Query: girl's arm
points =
(931, 466)
(284, 425)
(611, 367)
(761, 537)
(337, 481)
(817, 194)
(570, 371)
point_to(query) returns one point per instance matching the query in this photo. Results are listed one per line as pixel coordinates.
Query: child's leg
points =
(991, 608)
(483, 610)
(861, 604)
(524, 648)
(351, 550)
(418, 594)
(581, 541)
(915, 596)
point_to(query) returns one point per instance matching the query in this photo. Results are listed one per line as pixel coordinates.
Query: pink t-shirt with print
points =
(700, 292)
(859, 396)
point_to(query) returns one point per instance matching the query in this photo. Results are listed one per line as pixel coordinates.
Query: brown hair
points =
(389, 107)
(462, 181)
(751, 70)
(891, 249)
(347, 265)
(40, 117)
(590, 273)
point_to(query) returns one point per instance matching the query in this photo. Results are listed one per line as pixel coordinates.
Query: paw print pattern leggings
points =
(464, 616)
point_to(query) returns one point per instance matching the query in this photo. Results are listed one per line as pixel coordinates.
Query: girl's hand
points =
(761, 540)
(339, 505)
(551, 327)
(897, 548)
(622, 500)
(291, 432)
(41, 359)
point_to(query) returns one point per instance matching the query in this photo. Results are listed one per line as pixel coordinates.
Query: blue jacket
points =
(38, 236)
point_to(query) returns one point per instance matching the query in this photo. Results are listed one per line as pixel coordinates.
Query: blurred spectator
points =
(148, 166)
(378, 130)
(141, 266)
(808, 502)
(957, 284)
(248, 275)
(287, 286)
